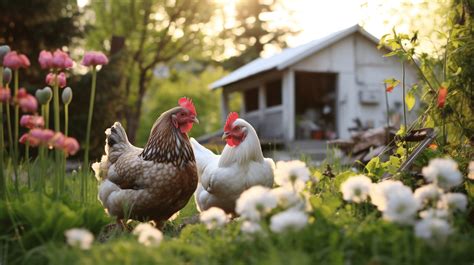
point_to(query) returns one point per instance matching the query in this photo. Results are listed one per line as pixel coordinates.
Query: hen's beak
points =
(225, 135)
(195, 120)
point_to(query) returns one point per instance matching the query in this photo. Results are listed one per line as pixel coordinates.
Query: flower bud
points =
(44, 95)
(4, 49)
(67, 96)
(7, 75)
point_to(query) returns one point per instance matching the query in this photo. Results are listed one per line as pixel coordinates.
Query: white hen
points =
(222, 178)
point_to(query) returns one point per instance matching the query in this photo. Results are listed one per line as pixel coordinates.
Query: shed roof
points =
(289, 56)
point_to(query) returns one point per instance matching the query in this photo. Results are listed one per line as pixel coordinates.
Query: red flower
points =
(442, 94)
(4, 94)
(61, 60)
(32, 121)
(51, 78)
(94, 58)
(46, 59)
(389, 89)
(26, 101)
(15, 60)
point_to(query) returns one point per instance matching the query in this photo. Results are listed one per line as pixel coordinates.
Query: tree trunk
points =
(133, 119)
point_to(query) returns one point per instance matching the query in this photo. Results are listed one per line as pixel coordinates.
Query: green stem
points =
(88, 132)
(16, 129)
(66, 119)
(9, 128)
(27, 160)
(42, 151)
(46, 116)
(404, 106)
(57, 128)
(388, 114)
(2, 148)
(17, 114)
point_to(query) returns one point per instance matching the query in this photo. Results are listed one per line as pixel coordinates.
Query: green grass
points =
(32, 227)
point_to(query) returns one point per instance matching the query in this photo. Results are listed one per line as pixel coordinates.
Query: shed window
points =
(251, 99)
(273, 92)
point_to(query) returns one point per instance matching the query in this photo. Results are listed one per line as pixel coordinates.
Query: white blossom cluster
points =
(430, 208)
(285, 206)
(213, 218)
(148, 235)
(79, 237)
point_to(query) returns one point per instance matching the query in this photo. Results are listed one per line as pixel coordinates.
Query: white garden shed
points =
(316, 90)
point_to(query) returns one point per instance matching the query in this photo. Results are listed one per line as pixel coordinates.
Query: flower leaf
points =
(410, 101)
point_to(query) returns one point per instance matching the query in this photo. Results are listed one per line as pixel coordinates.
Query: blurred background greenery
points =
(161, 50)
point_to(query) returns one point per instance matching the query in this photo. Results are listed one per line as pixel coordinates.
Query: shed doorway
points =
(315, 106)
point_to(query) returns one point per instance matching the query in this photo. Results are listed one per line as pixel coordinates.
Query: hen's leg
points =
(123, 225)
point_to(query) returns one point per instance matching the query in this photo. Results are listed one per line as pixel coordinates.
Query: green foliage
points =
(452, 69)
(30, 26)
(252, 33)
(195, 86)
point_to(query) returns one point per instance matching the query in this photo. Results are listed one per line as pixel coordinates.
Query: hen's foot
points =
(123, 225)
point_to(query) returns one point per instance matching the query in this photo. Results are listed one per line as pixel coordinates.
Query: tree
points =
(30, 26)
(254, 30)
(192, 84)
(155, 32)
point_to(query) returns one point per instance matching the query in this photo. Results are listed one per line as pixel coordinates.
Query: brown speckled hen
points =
(155, 182)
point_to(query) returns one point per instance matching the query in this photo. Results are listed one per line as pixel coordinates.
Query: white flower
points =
(433, 229)
(434, 213)
(292, 173)
(453, 201)
(288, 198)
(148, 235)
(289, 219)
(379, 192)
(79, 237)
(401, 207)
(427, 194)
(470, 174)
(443, 172)
(214, 217)
(250, 227)
(356, 189)
(255, 202)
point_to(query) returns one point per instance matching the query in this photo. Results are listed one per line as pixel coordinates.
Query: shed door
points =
(315, 108)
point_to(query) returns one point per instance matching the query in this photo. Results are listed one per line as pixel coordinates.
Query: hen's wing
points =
(260, 173)
(121, 163)
(204, 157)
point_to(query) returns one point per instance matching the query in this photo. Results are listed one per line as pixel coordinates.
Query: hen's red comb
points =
(188, 104)
(230, 120)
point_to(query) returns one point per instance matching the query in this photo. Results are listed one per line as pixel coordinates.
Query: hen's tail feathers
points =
(116, 141)
(203, 155)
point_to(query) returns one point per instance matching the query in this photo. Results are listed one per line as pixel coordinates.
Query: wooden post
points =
(262, 102)
(224, 105)
(288, 87)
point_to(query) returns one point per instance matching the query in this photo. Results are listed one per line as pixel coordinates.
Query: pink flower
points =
(94, 58)
(15, 60)
(4, 94)
(70, 145)
(42, 135)
(46, 59)
(51, 78)
(32, 121)
(61, 60)
(31, 140)
(26, 101)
